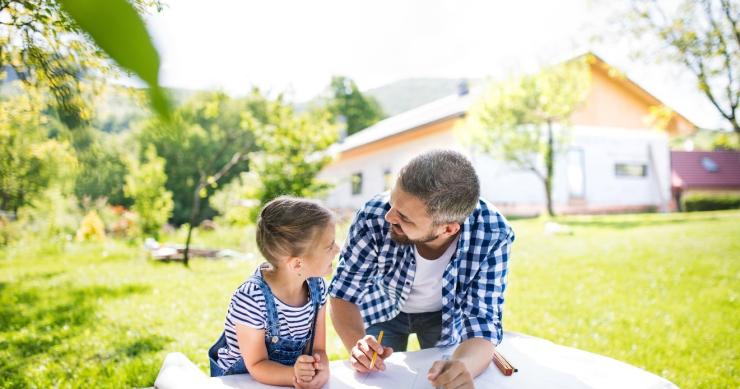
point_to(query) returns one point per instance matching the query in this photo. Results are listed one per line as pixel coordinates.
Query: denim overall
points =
(283, 350)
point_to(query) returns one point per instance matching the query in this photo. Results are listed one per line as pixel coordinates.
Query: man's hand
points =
(450, 374)
(362, 354)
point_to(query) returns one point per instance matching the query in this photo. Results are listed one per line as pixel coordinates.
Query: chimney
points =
(342, 122)
(462, 87)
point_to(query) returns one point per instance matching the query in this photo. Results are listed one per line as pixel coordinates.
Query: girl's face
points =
(317, 263)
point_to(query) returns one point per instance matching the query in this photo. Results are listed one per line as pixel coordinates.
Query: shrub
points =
(710, 202)
(91, 228)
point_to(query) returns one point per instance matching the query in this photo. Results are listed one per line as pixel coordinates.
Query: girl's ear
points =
(295, 264)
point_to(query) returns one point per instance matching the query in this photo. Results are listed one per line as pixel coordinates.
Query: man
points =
(432, 260)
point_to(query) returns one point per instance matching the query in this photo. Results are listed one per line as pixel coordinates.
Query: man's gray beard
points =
(404, 240)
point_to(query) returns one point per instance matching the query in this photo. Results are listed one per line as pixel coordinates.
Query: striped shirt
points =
(247, 307)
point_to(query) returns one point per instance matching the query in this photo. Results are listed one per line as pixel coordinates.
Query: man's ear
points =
(451, 229)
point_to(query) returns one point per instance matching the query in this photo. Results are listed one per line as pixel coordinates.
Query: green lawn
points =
(657, 291)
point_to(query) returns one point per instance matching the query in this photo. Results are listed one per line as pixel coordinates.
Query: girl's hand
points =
(304, 368)
(321, 364)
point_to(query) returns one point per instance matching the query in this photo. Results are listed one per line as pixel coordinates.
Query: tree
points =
(523, 120)
(292, 151)
(145, 185)
(703, 36)
(356, 110)
(205, 142)
(59, 45)
(29, 161)
(103, 170)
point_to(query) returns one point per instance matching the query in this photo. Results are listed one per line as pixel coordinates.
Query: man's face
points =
(409, 220)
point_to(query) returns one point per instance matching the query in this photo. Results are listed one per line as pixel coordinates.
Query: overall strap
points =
(314, 289)
(272, 324)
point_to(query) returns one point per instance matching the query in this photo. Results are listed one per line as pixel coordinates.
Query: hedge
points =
(710, 202)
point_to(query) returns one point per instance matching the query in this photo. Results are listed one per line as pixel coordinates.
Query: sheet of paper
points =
(541, 364)
(402, 371)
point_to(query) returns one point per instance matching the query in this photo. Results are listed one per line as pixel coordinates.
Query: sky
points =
(296, 46)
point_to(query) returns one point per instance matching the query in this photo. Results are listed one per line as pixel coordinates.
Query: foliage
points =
(235, 200)
(91, 228)
(707, 140)
(710, 201)
(145, 185)
(292, 153)
(701, 36)
(346, 103)
(202, 136)
(30, 162)
(46, 48)
(516, 119)
(102, 171)
(117, 28)
(53, 216)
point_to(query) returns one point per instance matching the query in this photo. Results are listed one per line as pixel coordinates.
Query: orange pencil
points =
(375, 353)
(502, 364)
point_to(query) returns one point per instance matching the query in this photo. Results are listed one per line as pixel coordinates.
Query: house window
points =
(630, 170)
(356, 183)
(576, 176)
(709, 165)
(388, 179)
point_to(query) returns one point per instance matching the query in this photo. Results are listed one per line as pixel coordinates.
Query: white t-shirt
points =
(426, 293)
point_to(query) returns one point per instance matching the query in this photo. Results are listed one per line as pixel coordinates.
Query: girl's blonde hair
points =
(289, 226)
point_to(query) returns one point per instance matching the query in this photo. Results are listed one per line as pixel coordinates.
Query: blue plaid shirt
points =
(376, 274)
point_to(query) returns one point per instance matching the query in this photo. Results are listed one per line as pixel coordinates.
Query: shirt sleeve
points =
(482, 308)
(357, 263)
(247, 306)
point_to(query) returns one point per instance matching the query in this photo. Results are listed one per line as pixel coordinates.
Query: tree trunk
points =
(549, 167)
(194, 211)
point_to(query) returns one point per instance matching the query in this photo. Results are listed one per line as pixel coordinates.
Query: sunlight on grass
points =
(657, 291)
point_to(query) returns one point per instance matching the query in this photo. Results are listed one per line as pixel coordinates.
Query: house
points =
(704, 171)
(615, 162)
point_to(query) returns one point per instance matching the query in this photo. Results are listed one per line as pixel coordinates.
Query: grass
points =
(657, 291)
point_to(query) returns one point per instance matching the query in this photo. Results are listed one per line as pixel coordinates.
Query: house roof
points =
(447, 107)
(631, 85)
(705, 169)
(456, 106)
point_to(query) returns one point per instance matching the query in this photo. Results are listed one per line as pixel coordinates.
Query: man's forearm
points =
(347, 321)
(476, 354)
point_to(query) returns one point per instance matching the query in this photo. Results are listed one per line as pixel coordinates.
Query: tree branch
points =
(726, 6)
(707, 91)
(236, 158)
(725, 50)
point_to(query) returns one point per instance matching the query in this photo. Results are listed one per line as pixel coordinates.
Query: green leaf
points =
(117, 29)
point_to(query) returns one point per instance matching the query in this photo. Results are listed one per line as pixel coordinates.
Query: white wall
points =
(605, 147)
(373, 166)
(508, 187)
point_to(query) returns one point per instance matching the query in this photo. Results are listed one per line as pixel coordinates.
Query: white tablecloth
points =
(541, 364)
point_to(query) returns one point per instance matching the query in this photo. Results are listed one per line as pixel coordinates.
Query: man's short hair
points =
(445, 181)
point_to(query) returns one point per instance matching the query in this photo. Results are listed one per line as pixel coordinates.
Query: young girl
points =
(270, 320)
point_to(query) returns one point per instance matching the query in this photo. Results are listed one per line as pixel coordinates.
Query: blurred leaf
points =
(117, 28)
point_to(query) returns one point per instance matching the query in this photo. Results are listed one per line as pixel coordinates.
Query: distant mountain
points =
(406, 94)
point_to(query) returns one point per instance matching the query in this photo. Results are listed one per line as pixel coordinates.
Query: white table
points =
(541, 364)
